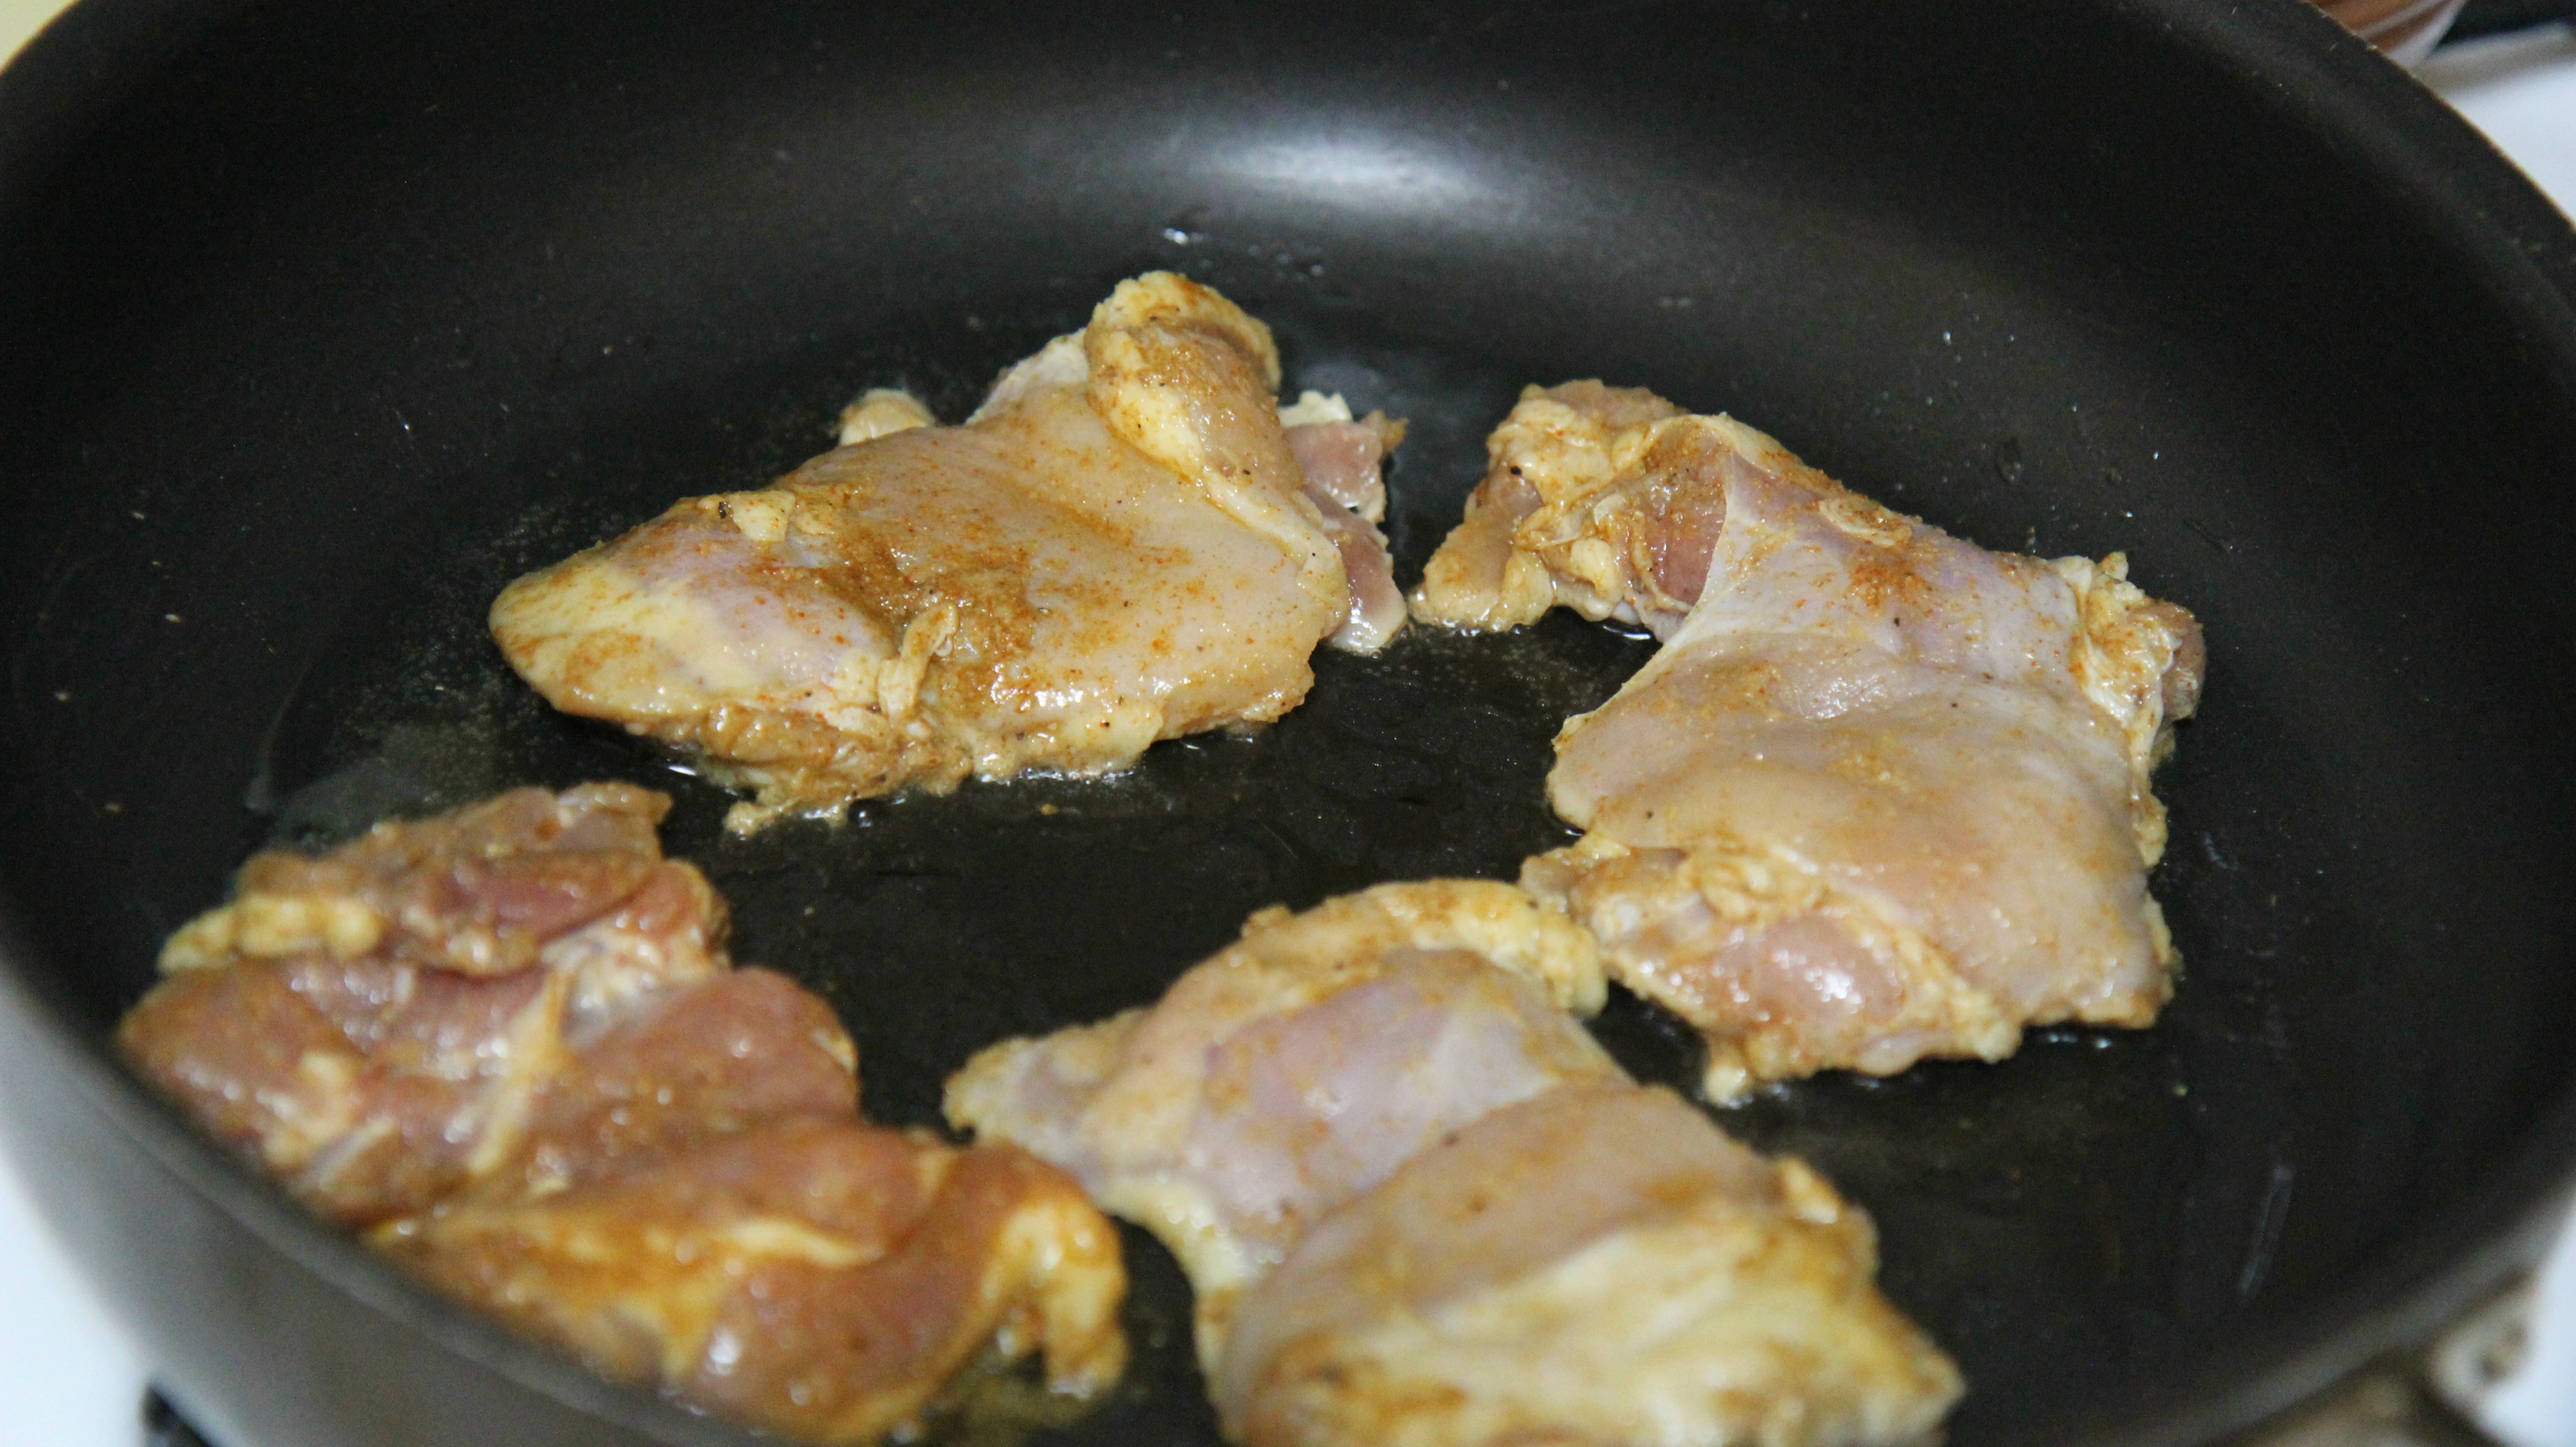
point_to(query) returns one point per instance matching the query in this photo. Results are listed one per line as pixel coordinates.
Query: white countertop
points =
(69, 1377)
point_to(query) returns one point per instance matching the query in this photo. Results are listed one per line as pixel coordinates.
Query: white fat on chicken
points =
(1419, 1205)
(1881, 795)
(1122, 545)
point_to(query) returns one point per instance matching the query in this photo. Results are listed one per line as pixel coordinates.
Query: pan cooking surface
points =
(2054, 1199)
(337, 321)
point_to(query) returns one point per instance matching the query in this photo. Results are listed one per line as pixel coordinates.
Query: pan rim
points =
(2491, 213)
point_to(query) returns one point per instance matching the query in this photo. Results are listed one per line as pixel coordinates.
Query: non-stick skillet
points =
(321, 321)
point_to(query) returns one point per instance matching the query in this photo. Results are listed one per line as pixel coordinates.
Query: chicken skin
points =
(1123, 544)
(1420, 1205)
(507, 1044)
(1881, 795)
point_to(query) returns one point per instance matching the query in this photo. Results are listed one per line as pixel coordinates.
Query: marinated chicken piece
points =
(1119, 546)
(482, 891)
(1597, 1265)
(1231, 1134)
(1420, 1206)
(1567, 514)
(706, 1060)
(816, 1276)
(508, 1041)
(1881, 795)
(1341, 459)
(375, 1091)
(394, 1020)
(1298, 1068)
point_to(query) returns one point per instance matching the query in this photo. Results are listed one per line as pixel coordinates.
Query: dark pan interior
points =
(324, 321)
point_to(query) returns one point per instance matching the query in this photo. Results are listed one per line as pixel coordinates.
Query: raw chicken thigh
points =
(507, 1043)
(1600, 1267)
(442, 1001)
(1123, 544)
(1881, 795)
(1298, 1068)
(1420, 1206)
(820, 1276)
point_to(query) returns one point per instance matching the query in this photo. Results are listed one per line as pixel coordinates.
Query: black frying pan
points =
(322, 321)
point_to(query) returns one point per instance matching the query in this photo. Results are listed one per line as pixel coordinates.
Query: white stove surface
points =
(69, 1377)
